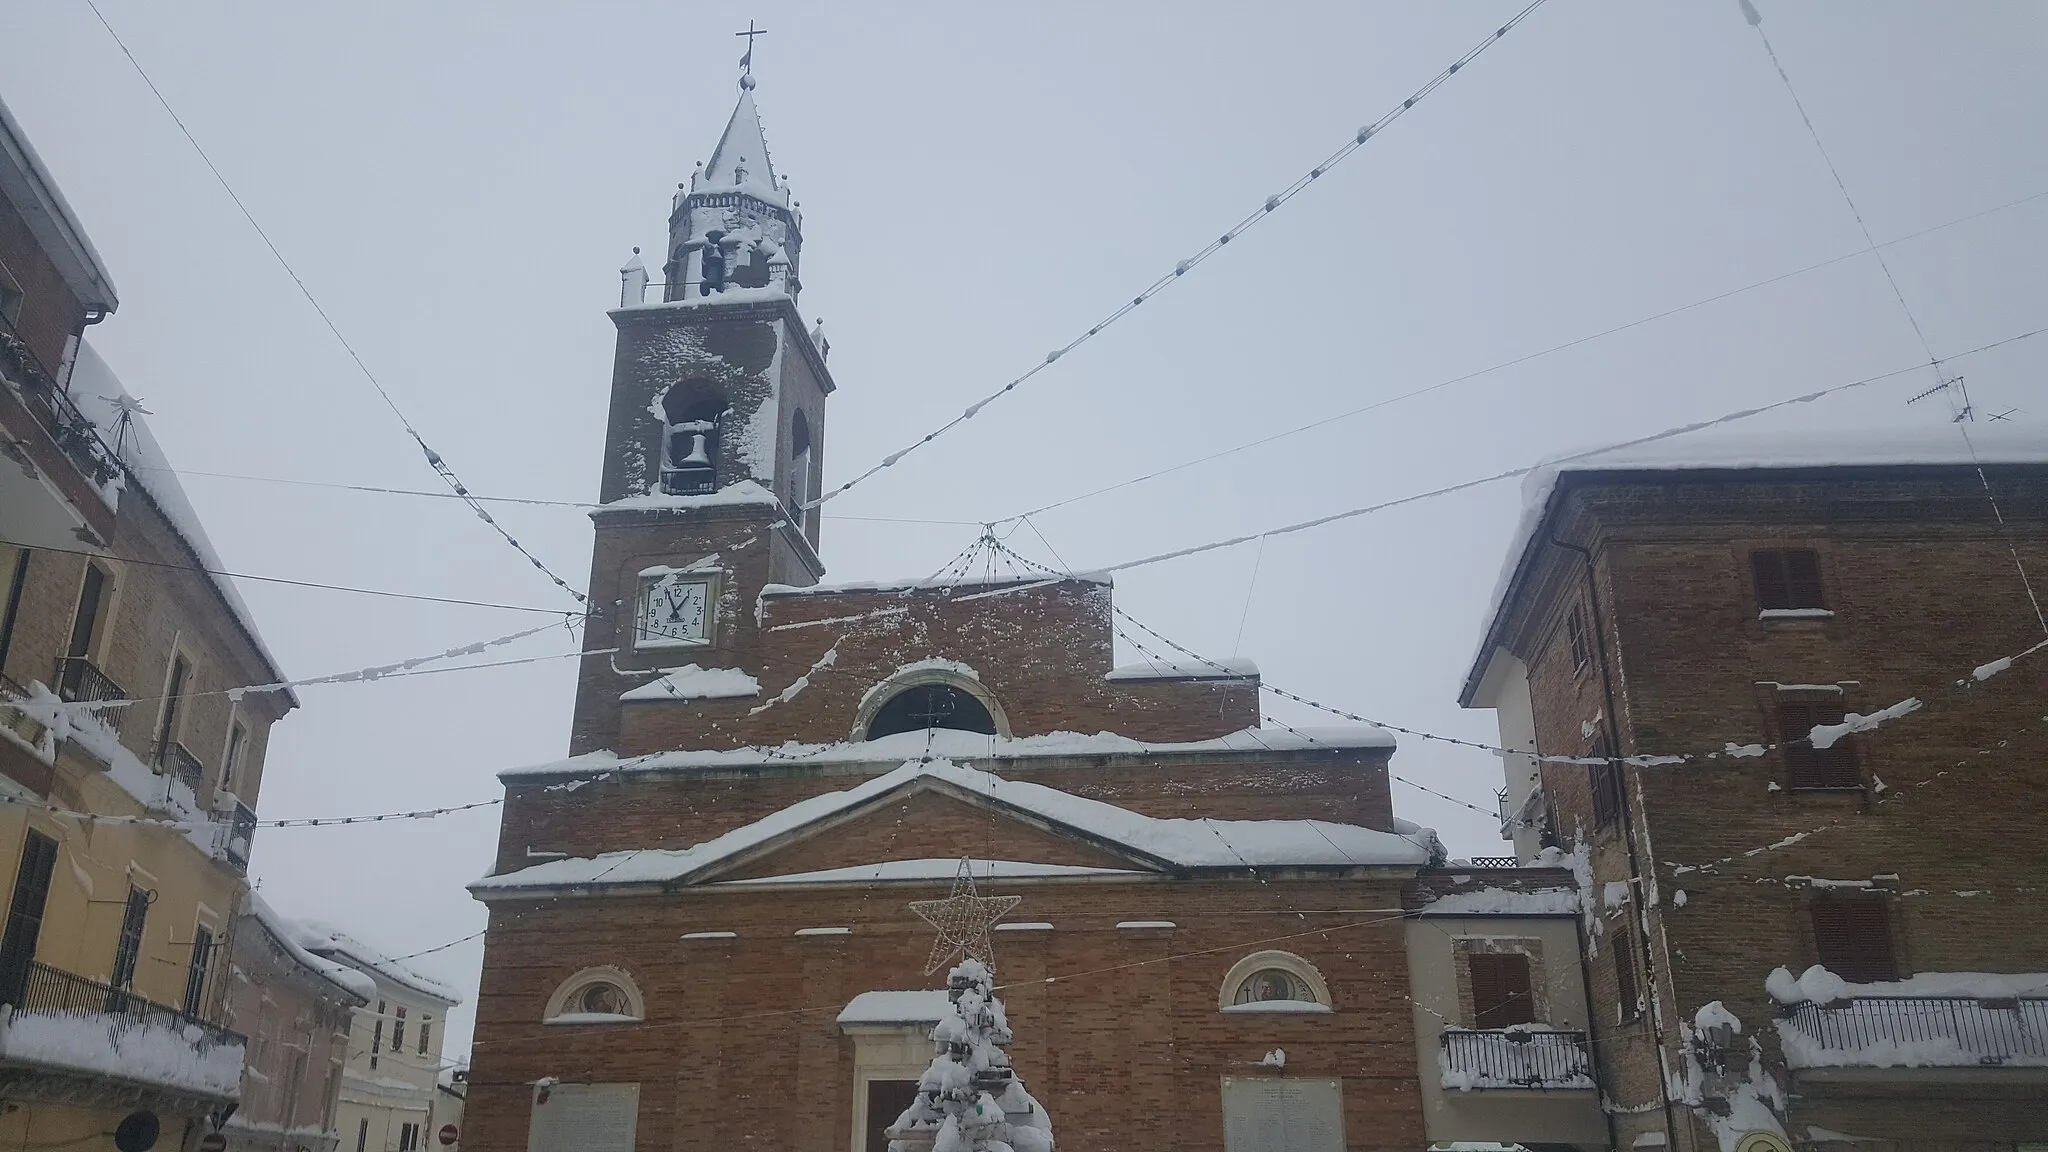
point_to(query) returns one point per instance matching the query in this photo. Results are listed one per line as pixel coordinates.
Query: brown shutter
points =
(1500, 990)
(1833, 767)
(1771, 591)
(1625, 993)
(1787, 578)
(1802, 578)
(1853, 939)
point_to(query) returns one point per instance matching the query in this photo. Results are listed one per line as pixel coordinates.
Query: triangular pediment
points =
(930, 819)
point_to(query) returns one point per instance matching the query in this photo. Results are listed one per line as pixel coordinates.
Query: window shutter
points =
(1853, 939)
(1811, 767)
(1500, 990)
(1787, 578)
(1627, 996)
(1802, 578)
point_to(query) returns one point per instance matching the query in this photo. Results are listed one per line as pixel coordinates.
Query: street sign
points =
(447, 1135)
(213, 1142)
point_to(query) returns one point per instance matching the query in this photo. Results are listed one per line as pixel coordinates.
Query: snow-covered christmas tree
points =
(969, 1099)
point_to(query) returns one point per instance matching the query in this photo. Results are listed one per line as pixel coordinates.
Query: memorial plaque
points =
(1282, 1114)
(584, 1118)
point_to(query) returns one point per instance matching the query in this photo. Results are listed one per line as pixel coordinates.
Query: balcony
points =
(235, 832)
(68, 1037)
(1522, 1058)
(178, 761)
(1925, 1032)
(79, 680)
(61, 476)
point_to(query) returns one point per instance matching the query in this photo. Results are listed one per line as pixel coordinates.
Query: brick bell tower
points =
(713, 445)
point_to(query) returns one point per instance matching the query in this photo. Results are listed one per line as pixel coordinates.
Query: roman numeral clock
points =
(674, 610)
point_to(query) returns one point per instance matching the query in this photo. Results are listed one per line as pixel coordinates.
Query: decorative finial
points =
(747, 60)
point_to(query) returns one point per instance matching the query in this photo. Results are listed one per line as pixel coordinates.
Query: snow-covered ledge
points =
(158, 1051)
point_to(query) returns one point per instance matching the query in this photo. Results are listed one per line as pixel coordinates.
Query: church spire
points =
(734, 224)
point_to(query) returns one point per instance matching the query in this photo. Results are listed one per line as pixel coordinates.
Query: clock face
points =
(674, 612)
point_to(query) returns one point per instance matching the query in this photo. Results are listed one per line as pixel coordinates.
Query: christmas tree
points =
(970, 1099)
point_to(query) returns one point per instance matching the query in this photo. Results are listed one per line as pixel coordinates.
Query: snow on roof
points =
(1172, 843)
(920, 1006)
(959, 745)
(27, 185)
(742, 148)
(289, 933)
(945, 868)
(744, 492)
(96, 391)
(919, 583)
(1931, 445)
(1185, 668)
(693, 683)
(326, 940)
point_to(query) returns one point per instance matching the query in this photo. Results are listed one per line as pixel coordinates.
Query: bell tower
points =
(714, 440)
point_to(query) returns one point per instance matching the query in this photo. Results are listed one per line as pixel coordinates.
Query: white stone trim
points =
(566, 993)
(1287, 962)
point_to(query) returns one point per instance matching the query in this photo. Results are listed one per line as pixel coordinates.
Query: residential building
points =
(1780, 699)
(295, 1010)
(118, 645)
(389, 1085)
(700, 932)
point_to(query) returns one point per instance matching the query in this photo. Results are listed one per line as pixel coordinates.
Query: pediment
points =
(929, 820)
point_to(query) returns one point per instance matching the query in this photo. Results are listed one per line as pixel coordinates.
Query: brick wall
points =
(1923, 587)
(1125, 1048)
(50, 314)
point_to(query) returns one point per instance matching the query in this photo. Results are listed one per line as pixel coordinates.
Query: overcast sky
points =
(459, 182)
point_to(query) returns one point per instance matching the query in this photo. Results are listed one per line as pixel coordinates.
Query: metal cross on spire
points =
(963, 920)
(747, 60)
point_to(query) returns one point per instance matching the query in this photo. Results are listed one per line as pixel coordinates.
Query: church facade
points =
(700, 926)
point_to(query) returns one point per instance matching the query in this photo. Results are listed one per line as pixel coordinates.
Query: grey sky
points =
(459, 182)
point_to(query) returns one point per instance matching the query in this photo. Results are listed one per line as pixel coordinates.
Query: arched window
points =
(689, 460)
(799, 466)
(602, 995)
(1274, 982)
(922, 706)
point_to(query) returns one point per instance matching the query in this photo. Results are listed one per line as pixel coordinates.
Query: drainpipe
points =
(1628, 834)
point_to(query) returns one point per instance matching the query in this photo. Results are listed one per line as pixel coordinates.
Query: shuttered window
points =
(1500, 990)
(1787, 578)
(1575, 637)
(25, 914)
(1853, 939)
(1810, 767)
(1605, 781)
(1628, 997)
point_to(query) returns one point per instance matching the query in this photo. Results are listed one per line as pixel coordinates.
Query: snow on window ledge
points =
(1769, 614)
(1138, 925)
(711, 935)
(824, 932)
(592, 1018)
(1278, 1008)
(1026, 926)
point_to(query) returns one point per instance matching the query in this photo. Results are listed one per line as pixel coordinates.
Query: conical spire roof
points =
(740, 161)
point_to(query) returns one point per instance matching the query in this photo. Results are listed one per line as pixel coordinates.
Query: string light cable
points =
(434, 459)
(1183, 267)
(1515, 473)
(1516, 361)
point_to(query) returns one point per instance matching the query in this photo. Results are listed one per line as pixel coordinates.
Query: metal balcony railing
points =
(1917, 1031)
(37, 989)
(178, 760)
(1495, 862)
(237, 834)
(60, 418)
(13, 717)
(1514, 1058)
(79, 680)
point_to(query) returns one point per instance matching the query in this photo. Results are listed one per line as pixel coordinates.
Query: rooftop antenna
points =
(747, 60)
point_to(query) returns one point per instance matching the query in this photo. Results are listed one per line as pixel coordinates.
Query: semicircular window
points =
(1273, 984)
(924, 706)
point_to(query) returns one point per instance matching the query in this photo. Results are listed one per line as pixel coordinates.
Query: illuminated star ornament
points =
(963, 920)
